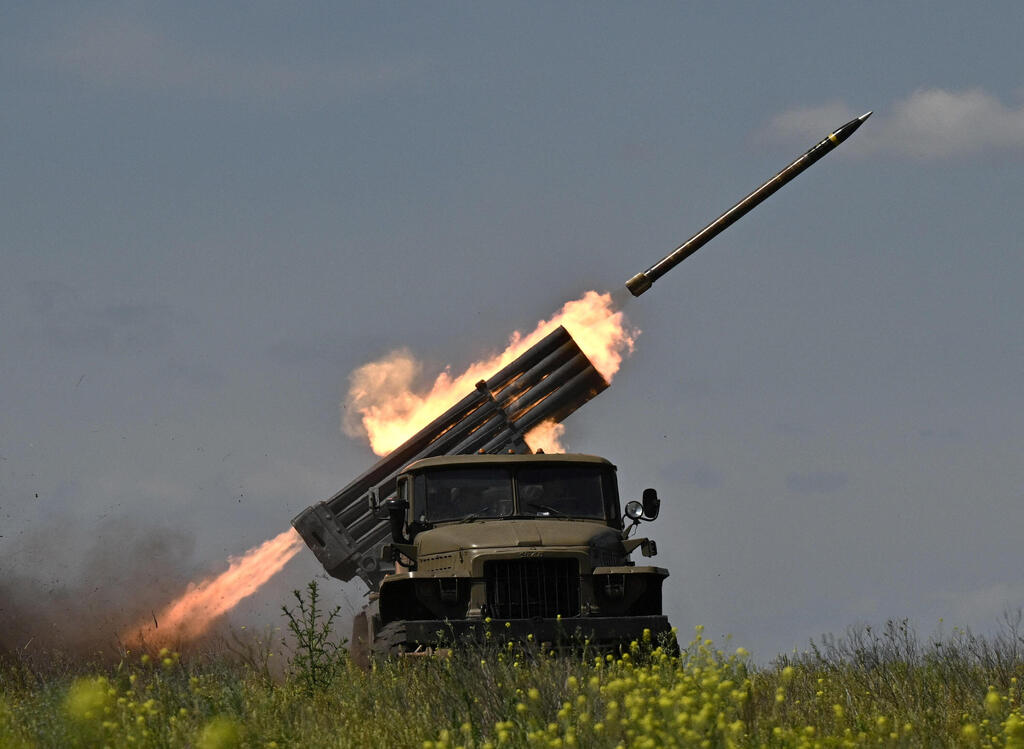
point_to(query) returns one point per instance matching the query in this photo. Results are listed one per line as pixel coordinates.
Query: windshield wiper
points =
(472, 516)
(546, 508)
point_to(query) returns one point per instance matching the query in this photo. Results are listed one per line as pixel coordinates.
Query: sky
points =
(213, 215)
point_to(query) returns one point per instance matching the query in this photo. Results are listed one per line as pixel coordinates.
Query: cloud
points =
(128, 53)
(821, 482)
(930, 123)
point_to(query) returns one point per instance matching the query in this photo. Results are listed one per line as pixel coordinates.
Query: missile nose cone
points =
(848, 129)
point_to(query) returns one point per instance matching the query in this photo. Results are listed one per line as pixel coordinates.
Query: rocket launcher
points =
(547, 382)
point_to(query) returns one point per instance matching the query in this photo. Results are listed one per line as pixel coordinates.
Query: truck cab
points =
(527, 544)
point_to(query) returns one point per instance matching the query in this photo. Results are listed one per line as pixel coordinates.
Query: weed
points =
(316, 658)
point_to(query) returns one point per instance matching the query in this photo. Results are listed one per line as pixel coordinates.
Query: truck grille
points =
(527, 588)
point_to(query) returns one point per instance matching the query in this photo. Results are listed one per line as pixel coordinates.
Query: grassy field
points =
(866, 688)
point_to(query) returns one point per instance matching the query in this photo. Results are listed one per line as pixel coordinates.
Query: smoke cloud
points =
(80, 607)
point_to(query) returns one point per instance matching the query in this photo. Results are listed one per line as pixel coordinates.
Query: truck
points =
(525, 545)
(463, 525)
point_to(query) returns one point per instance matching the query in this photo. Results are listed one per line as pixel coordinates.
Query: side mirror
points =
(651, 504)
(396, 509)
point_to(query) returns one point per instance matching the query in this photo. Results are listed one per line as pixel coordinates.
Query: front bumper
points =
(596, 631)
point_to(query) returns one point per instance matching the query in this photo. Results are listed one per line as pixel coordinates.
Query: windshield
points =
(561, 491)
(552, 491)
(465, 493)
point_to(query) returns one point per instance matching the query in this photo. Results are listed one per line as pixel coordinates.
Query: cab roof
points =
(452, 461)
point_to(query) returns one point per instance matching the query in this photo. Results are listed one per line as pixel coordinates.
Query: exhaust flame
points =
(547, 437)
(384, 407)
(192, 614)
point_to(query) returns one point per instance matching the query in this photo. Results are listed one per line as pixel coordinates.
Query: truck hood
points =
(491, 534)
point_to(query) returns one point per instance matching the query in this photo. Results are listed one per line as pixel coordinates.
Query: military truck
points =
(528, 544)
(463, 523)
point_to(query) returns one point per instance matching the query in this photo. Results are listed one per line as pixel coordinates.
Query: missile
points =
(641, 282)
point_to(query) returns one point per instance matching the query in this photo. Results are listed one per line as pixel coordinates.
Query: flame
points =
(192, 614)
(384, 406)
(546, 436)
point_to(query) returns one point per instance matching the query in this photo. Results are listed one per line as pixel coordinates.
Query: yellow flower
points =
(87, 698)
(1014, 732)
(993, 703)
(220, 733)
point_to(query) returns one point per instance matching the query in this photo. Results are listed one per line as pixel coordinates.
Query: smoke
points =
(79, 607)
(392, 378)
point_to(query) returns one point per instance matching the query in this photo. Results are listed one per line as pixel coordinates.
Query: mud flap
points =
(362, 639)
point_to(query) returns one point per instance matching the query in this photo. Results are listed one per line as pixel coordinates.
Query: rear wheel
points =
(390, 640)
